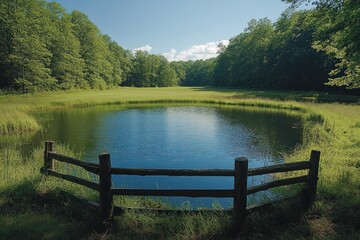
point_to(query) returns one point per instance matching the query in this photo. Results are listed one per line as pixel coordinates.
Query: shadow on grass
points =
(28, 214)
(334, 215)
(303, 96)
(150, 225)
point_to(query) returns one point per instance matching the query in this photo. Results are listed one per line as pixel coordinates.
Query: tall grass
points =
(31, 208)
(333, 129)
(13, 121)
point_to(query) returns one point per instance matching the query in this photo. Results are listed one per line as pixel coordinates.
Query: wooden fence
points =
(238, 193)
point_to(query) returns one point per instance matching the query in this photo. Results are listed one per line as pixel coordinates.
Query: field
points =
(34, 207)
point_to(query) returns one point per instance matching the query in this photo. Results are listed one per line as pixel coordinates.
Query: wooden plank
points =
(211, 172)
(285, 167)
(48, 161)
(240, 193)
(172, 172)
(106, 197)
(74, 179)
(277, 183)
(91, 167)
(175, 193)
(313, 176)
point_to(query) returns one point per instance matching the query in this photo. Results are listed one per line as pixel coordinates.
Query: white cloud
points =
(146, 48)
(170, 55)
(196, 52)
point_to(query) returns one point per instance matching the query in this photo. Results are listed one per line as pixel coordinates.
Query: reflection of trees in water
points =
(73, 128)
(80, 129)
(274, 132)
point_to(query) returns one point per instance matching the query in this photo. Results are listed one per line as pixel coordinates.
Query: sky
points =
(177, 29)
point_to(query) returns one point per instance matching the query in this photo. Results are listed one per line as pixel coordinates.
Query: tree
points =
(66, 63)
(119, 60)
(245, 60)
(6, 80)
(149, 70)
(338, 36)
(42, 47)
(166, 75)
(199, 73)
(294, 62)
(28, 56)
(94, 50)
(180, 70)
(277, 56)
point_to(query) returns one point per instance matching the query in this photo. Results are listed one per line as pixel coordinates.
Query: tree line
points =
(44, 48)
(303, 50)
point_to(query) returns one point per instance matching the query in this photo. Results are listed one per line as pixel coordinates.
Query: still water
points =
(176, 137)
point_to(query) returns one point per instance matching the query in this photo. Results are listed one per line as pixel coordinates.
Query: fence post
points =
(49, 162)
(106, 197)
(240, 193)
(313, 176)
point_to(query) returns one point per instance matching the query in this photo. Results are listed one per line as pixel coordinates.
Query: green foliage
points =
(120, 61)
(43, 48)
(245, 61)
(150, 70)
(94, 51)
(29, 56)
(277, 56)
(67, 65)
(337, 35)
(302, 50)
(199, 72)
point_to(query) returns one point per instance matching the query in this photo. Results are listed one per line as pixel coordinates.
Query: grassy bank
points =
(33, 207)
(16, 109)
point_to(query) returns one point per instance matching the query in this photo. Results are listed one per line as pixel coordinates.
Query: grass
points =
(35, 207)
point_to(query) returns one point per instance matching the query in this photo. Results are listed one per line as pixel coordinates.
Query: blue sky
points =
(179, 29)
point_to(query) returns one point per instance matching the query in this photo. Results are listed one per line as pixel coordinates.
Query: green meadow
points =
(33, 206)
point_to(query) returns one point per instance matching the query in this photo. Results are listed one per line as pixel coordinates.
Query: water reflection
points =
(176, 137)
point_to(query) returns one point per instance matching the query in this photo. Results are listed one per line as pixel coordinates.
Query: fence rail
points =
(91, 167)
(172, 172)
(285, 167)
(239, 193)
(74, 179)
(277, 183)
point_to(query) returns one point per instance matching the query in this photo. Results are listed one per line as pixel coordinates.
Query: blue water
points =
(178, 138)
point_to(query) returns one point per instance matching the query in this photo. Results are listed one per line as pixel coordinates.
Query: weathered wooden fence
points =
(238, 193)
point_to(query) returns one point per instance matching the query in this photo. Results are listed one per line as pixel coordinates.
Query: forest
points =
(44, 48)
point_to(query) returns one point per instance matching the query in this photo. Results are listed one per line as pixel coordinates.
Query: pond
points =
(176, 137)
